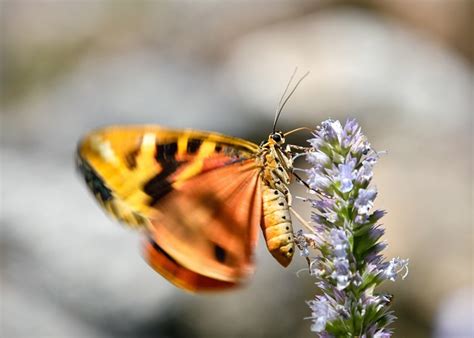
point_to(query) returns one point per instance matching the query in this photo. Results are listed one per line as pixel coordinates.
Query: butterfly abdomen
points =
(276, 225)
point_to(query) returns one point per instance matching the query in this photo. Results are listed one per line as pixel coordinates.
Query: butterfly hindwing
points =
(216, 215)
(180, 276)
(212, 229)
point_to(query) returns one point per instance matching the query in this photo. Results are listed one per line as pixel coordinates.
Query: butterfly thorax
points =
(276, 176)
(276, 164)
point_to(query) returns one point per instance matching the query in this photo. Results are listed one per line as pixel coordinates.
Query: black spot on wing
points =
(219, 253)
(94, 181)
(193, 145)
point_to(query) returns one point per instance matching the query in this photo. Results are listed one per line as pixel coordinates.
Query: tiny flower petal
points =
(346, 175)
(331, 131)
(317, 158)
(317, 181)
(321, 313)
(382, 334)
(331, 217)
(316, 142)
(350, 133)
(365, 200)
(339, 242)
(323, 205)
(376, 215)
(376, 233)
(395, 266)
(341, 273)
(365, 173)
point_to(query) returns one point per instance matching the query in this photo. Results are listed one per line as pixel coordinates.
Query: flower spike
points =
(348, 265)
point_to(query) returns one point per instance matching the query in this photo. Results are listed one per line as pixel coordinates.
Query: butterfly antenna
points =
(287, 86)
(282, 105)
(282, 97)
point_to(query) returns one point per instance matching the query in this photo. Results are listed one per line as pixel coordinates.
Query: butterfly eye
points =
(276, 137)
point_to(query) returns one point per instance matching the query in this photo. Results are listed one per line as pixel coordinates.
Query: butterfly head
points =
(276, 138)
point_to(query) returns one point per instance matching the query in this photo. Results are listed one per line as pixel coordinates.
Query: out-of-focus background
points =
(402, 68)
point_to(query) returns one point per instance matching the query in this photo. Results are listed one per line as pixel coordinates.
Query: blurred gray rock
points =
(134, 88)
(456, 315)
(361, 65)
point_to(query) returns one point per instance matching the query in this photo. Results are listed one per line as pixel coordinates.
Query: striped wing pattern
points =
(128, 169)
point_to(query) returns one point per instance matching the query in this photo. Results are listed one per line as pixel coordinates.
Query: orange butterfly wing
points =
(207, 229)
(180, 276)
(196, 195)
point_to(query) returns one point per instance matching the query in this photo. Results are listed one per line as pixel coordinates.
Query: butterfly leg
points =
(317, 191)
(291, 147)
(298, 216)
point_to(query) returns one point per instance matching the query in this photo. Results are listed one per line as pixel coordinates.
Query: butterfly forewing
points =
(129, 169)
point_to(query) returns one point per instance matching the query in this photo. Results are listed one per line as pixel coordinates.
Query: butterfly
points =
(197, 197)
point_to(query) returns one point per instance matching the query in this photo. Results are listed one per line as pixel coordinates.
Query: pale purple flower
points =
(342, 273)
(374, 257)
(374, 333)
(361, 219)
(318, 159)
(394, 267)
(376, 232)
(346, 175)
(321, 312)
(382, 334)
(339, 242)
(331, 131)
(351, 131)
(380, 246)
(365, 172)
(367, 299)
(317, 181)
(323, 205)
(376, 215)
(326, 212)
(365, 200)
(361, 147)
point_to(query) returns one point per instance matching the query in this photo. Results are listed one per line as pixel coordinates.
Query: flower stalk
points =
(344, 250)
